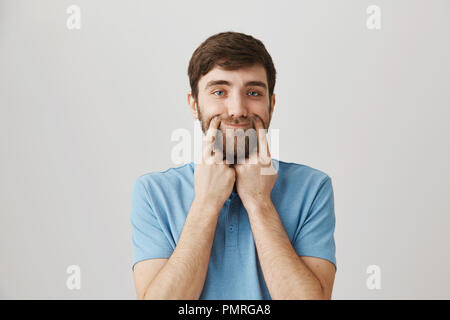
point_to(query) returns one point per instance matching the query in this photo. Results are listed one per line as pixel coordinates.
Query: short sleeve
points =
(316, 236)
(149, 241)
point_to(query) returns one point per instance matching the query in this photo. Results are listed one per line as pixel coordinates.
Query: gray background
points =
(85, 112)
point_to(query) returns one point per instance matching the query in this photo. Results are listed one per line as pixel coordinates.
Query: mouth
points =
(233, 125)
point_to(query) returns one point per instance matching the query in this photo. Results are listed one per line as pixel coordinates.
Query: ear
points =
(272, 105)
(192, 105)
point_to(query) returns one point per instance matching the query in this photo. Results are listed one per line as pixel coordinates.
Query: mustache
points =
(247, 124)
(247, 121)
(236, 121)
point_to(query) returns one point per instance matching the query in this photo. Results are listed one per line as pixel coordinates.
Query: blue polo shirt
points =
(302, 196)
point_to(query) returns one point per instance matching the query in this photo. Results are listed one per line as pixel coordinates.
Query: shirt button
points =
(231, 228)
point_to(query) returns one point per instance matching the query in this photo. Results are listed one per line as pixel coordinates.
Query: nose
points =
(236, 107)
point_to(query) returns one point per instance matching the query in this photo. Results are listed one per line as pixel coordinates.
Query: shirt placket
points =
(232, 222)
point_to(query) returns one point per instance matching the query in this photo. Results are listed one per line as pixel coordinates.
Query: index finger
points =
(263, 145)
(212, 130)
(209, 139)
(214, 123)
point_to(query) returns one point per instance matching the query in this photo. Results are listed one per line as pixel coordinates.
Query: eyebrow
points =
(224, 82)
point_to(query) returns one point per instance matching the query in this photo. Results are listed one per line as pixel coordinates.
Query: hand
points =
(213, 179)
(256, 177)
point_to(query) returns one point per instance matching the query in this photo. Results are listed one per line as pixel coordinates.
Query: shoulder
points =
(166, 180)
(301, 175)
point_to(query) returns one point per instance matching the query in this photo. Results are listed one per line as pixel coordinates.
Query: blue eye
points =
(257, 93)
(217, 91)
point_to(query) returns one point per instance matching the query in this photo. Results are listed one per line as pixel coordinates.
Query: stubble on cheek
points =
(221, 138)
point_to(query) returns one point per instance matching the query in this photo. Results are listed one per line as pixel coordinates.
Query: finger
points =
(213, 126)
(253, 157)
(214, 123)
(212, 130)
(210, 137)
(263, 145)
(218, 156)
(258, 122)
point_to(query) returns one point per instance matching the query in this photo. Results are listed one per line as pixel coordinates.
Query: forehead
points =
(237, 77)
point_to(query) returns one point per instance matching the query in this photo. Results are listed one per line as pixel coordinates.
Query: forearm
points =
(184, 274)
(286, 276)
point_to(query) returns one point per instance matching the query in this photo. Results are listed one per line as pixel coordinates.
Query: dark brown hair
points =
(231, 51)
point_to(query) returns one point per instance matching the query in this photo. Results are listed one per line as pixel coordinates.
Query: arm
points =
(182, 276)
(288, 276)
(184, 273)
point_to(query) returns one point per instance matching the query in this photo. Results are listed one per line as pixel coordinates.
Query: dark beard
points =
(235, 155)
(244, 143)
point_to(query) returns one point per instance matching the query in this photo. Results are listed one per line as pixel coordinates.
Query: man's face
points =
(237, 97)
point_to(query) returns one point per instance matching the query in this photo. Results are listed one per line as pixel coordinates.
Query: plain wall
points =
(84, 112)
